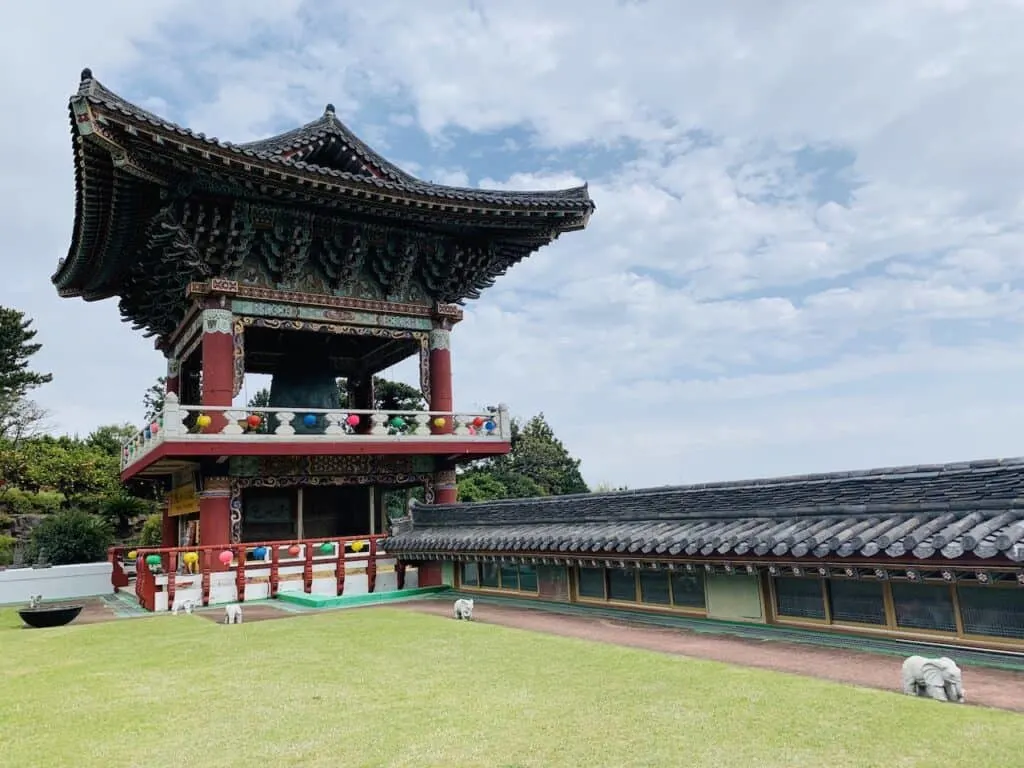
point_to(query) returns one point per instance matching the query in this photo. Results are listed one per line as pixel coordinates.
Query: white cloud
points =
(721, 317)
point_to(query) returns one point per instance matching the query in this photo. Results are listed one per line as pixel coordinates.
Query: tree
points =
(538, 465)
(16, 349)
(481, 487)
(609, 488)
(388, 396)
(110, 438)
(71, 536)
(153, 399)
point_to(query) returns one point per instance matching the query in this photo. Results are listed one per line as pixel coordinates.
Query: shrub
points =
(152, 531)
(121, 510)
(72, 536)
(6, 549)
(18, 502)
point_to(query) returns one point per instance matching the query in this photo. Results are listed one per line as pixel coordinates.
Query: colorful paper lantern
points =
(352, 420)
(327, 547)
(357, 546)
(133, 555)
(154, 427)
(147, 433)
(294, 550)
(203, 421)
(226, 557)
(152, 559)
(260, 553)
(254, 420)
(190, 558)
(439, 422)
(478, 422)
(489, 426)
(397, 422)
(309, 420)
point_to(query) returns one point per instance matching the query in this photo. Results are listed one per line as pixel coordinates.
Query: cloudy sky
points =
(807, 253)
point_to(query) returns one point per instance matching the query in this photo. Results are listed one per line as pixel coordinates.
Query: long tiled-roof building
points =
(923, 552)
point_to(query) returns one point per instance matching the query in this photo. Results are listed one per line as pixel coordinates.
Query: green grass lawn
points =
(385, 687)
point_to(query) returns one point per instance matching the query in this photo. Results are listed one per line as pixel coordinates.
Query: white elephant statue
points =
(938, 679)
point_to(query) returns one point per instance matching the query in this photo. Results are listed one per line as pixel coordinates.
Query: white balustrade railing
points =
(218, 423)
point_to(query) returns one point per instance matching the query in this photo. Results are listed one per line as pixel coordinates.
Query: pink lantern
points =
(154, 427)
(352, 420)
(226, 557)
(294, 550)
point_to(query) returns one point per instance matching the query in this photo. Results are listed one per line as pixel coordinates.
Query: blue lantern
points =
(147, 433)
(260, 553)
(309, 420)
(490, 426)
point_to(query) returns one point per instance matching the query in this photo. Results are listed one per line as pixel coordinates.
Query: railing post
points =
(307, 571)
(339, 572)
(275, 569)
(504, 422)
(118, 578)
(371, 566)
(205, 560)
(241, 554)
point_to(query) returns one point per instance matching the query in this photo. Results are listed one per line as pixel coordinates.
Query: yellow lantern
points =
(133, 555)
(190, 558)
(439, 422)
(357, 546)
(203, 421)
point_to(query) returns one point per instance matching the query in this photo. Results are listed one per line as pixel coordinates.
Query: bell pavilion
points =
(309, 257)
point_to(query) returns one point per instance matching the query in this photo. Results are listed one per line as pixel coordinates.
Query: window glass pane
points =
(654, 587)
(470, 577)
(992, 611)
(798, 597)
(859, 601)
(622, 584)
(528, 578)
(488, 574)
(688, 590)
(923, 606)
(591, 582)
(509, 576)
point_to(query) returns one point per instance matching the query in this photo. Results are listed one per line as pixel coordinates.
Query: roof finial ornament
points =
(329, 109)
(86, 74)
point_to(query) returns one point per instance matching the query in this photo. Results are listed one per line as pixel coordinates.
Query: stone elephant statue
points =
(938, 679)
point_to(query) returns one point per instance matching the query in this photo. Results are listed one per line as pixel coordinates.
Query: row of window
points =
(679, 589)
(520, 578)
(670, 588)
(989, 611)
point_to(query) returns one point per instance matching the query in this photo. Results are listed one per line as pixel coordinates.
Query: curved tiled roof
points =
(291, 148)
(948, 511)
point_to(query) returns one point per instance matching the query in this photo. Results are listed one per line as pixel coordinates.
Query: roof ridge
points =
(394, 177)
(892, 473)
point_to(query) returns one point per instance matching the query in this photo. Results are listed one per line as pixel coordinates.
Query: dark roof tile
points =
(954, 510)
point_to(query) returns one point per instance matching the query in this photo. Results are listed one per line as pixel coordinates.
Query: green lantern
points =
(153, 560)
(397, 422)
(327, 548)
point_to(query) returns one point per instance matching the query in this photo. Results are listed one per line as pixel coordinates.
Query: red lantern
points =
(293, 550)
(226, 557)
(254, 420)
(478, 422)
(352, 420)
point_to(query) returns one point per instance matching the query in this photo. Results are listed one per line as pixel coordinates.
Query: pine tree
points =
(16, 349)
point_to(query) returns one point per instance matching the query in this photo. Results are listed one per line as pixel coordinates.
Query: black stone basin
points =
(50, 615)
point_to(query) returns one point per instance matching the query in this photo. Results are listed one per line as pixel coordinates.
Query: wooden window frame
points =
(638, 604)
(498, 590)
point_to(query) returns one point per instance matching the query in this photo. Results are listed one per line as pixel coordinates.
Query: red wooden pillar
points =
(218, 363)
(215, 518)
(168, 531)
(173, 377)
(446, 489)
(441, 378)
